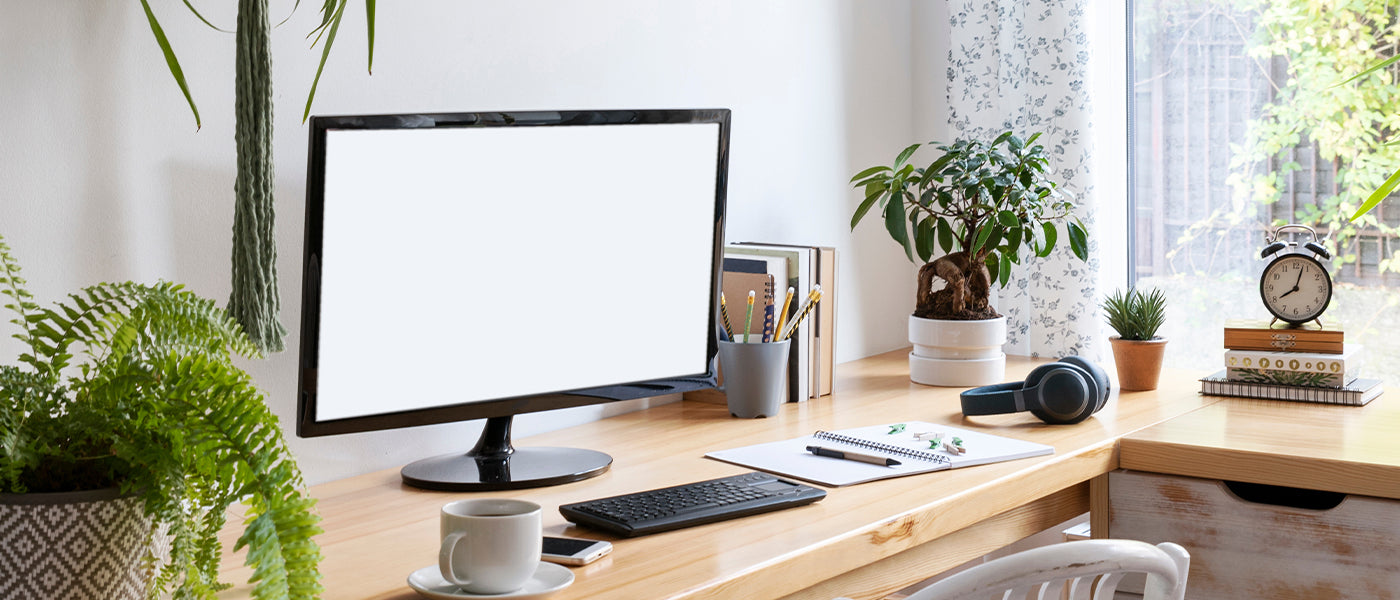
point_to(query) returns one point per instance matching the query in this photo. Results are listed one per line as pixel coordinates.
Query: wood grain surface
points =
(378, 531)
(1348, 449)
(1243, 549)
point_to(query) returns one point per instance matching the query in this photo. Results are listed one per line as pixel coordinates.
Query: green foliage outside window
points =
(1323, 44)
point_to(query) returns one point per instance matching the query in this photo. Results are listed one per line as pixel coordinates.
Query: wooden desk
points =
(862, 541)
(1258, 542)
(1347, 449)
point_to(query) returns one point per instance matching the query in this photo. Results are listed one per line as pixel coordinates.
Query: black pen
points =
(852, 455)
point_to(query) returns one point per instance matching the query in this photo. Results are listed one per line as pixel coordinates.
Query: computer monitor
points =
(483, 265)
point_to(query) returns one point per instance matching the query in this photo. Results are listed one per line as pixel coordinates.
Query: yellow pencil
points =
(724, 314)
(782, 316)
(812, 298)
(748, 318)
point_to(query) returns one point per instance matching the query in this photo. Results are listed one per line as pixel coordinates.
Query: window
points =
(1239, 125)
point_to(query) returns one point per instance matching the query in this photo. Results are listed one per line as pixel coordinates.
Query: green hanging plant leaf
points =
(333, 20)
(170, 60)
(201, 18)
(369, 28)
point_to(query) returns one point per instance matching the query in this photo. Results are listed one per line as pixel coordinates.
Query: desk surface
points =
(1348, 449)
(378, 531)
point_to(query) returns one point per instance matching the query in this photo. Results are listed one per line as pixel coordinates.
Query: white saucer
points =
(548, 578)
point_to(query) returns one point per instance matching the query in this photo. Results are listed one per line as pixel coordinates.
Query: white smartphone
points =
(573, 551)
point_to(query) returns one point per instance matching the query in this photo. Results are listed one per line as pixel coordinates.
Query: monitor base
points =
(494, 465)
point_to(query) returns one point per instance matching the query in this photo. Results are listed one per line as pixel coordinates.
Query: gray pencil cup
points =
(755, 376)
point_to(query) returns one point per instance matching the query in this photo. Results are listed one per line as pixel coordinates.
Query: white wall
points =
(103, 176)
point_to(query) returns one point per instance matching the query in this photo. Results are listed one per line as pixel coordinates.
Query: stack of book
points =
(769, 270)
(1307, 363)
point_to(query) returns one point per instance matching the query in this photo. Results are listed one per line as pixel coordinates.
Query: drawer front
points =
(1244, 549)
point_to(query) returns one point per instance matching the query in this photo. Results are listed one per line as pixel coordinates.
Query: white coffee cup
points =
(490, 546)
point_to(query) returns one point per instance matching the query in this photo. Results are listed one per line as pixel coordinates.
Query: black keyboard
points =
(691, 504)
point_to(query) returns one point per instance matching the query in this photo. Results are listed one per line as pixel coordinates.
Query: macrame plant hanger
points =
(254, 302)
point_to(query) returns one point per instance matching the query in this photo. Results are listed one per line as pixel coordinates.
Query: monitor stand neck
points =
(495, 464)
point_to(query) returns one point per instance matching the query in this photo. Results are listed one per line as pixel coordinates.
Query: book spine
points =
(1286, 377)
(1213, 387)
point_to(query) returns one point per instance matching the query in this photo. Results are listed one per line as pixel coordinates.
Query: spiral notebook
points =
(790, 458)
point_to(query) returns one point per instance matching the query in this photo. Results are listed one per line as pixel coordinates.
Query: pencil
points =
(782, 316)
(812, 298)
(724, 314)
(748, 318)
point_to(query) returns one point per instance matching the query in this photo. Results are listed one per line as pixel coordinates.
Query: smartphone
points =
(572, 551)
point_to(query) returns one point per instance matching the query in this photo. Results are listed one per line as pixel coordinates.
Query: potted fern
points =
(980, 207)
(1137, 349)
(126, 432)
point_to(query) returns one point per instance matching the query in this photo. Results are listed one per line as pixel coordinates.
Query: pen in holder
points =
(755, 369)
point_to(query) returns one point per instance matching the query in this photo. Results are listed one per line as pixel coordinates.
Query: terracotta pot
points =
(957, 353)
(1139, 362)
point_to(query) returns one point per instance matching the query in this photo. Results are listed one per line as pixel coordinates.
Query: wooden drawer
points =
(1280, 543)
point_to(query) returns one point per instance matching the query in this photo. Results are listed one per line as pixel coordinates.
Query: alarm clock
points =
(1295, 285)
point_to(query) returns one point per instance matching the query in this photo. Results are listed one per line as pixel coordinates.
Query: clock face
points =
(1295, 288)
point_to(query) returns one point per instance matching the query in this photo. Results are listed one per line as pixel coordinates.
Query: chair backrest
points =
(1090, 569)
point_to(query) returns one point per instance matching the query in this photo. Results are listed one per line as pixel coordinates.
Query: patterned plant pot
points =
(73, 545)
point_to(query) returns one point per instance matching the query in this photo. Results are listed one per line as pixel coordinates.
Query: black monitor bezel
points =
(308, 426)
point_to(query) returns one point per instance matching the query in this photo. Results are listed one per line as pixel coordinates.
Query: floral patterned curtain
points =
(1023, 65)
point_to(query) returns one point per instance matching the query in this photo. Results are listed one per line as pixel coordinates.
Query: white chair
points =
(1044, 572)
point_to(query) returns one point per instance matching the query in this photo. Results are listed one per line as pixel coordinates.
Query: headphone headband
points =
(1065, 391)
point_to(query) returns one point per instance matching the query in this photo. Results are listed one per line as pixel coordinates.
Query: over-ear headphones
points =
(1063, 392)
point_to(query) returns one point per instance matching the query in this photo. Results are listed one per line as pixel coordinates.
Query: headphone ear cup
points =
(1099, 376)
(1064, 393)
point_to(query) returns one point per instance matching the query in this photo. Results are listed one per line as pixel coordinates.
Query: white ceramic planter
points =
(957, 353)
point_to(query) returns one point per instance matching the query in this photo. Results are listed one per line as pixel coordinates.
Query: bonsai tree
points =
(134, 386)
(983, 205)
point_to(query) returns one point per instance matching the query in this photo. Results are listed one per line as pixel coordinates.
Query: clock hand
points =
(1300, 280)
(1295, 288)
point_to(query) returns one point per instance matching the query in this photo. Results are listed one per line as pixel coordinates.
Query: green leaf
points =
(994, 239)
(369, 29)
(904, 155)
(1372, 69)
(170, 60)
(982, 235)
(1004, 272)
(1078, 240)
(945, 236)
(924, 239)
(865, 205)
(1380, 194)
(1050, 236)
(894, 223)
(201, 18)
(1008, 219)
(334, 22)
(1013, 240)
(939, 163)
(869, 172)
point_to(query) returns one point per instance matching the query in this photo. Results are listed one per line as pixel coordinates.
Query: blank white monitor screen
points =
(469, 264)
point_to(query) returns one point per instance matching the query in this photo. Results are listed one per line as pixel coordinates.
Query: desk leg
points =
(916, 564)
(1098, 507)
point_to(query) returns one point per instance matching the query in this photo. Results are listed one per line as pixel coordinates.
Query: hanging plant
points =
(254, 302)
